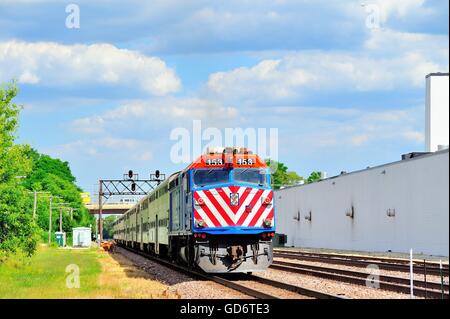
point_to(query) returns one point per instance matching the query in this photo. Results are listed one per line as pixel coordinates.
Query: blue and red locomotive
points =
(217, 214)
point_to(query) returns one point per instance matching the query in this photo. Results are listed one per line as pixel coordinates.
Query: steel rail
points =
(363, 257)
(300, 290)
(359, 263)
(392, 279)
(224, 282)
(236, 286)
(355, 278)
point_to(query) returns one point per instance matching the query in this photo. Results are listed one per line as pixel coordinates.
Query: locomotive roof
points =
(228, 160)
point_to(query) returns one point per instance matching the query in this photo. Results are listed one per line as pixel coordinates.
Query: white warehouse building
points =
(393, 207)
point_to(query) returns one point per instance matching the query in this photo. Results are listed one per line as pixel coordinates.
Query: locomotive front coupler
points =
(203, 254)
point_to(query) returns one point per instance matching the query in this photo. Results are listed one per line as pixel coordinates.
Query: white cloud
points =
(63, 104)
(390, 42)
(358, 140)
(187, 26)
(53, 64)
(397, 13)
(415, 136)
(94, 124)
(103, 147)
(399, 8)
(389, 60)
(389, 125)
(157, 113)
(272, 77)
(28, 78)
(316, 128)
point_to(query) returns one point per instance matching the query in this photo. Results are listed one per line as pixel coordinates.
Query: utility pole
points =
(34, 205)
(71, 212)
(50, 219)
(60, 219)
(35, 194)
(61, 207)
(50, 222)
(100, 211)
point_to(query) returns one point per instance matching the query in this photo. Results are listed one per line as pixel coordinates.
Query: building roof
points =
(436, 74)
(373, 168)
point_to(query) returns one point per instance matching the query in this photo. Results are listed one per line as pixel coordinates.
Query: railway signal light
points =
(157, 176)
(133, 187)
(130, 174)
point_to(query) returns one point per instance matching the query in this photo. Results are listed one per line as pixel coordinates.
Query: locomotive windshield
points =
(250, 175)
(204, 177)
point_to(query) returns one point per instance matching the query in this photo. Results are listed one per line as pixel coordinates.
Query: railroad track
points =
(401, 265)
(389, 283)
(252, 292)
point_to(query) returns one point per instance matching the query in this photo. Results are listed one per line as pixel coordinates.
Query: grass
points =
(102, 275)
(44, 275)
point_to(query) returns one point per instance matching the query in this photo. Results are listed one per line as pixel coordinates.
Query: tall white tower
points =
(436, 112)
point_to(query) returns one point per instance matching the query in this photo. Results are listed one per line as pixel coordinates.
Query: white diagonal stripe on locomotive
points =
(247, 201)
(212, 208)
(255, 208)
(205, 217)
(225, 206)
(250, 196)
(263, 216)
(240, 191)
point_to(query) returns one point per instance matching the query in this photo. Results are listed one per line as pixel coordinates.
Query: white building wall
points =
(417, 189)
(436, 111)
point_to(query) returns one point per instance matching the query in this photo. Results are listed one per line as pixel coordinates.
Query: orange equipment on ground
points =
(108, 245)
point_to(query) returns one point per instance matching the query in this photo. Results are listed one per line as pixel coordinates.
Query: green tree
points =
(314, 177)
(37, 172)
(54, 176)
(9, 114)
(281, 176)
(17, 230)
(108, 226)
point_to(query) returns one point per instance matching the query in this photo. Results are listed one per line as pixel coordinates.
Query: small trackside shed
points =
(81, 237)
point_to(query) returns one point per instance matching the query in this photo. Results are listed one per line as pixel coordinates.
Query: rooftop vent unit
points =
(413, 155)
(229, 150)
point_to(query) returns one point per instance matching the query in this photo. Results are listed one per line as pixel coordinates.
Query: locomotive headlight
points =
(199, 223)
(266, 201)
(267, 223)
(199, 202)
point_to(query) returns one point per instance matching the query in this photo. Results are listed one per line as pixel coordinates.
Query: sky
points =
(342, 81)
